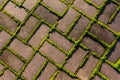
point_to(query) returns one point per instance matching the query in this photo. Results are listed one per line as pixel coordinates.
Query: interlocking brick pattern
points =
(59, 39)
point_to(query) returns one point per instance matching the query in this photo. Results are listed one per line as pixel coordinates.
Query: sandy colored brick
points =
(67, 20)
(11, 60)
(52, 52)
(59, 39)
(85, 72)
(47, 73)
(3, 38)
(39, 35)
(29, 4)
(15, 11)
(21, 48)
(73, 63)
(57, 5)
(33, 66)
(28, 27)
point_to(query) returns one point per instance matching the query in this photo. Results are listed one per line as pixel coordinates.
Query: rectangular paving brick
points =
(15, 11)
(67, 20)
(32, 67)
(39, 35)
(98, 2)
(47, 73)
(1, 67)
(11, 60)
(59, 39)
(52, 52)
(21, 48)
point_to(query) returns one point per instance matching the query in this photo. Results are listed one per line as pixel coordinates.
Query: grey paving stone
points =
(59, 39)
(85, 72)
(46, 14)
(39, 35)
(8, 75)
(93, 46)
(28, 27)
(79, 28)
(109, 72)
(82, 5)
(67, 20)
(68, 1)
(107, 13)
(114, 55)
(56, 5)
(3, 38)
(73, 63)
(33, 68)
(21, 48)
(102, 33)
(11, 60)
(15, 11)
(52, 52)
(98, 2)
(7, 22)
(47, 73)
(29, 4)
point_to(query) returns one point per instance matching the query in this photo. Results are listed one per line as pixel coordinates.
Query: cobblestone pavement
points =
(59, 39)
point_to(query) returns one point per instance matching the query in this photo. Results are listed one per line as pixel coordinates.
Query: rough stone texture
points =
(19, 13)
(28, 27)
(85, 72)
(52, 52)
(102, 33)
(39, 35)
(112, 74)
(94, 46)
(82, 5)
(46, 15)
(7, 22)
(59, 40)
(11, 60)
(56, 5)
(97, 78)
(73, 63)
(65, 22)
(1, 67)
(33, 68)
(79, 28)
(3, 38)
(50, 68)
(98, 2)
(21, 49)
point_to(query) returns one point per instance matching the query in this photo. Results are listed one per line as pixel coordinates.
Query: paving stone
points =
(46, 14)
(50, 69)
(97, 78)
(85, 72)
(93, 46)
(67, 20)
(1, 67)
(98, 2)
(63, 76)
(33, 68)
(15, 11)
(115, 25)
(29, 4)
(102, 33)
(114, 55)
(68, 1)
(21, 49)
(39, 35)
(57, 5)
(11, 60)
(107, 13)
(84, 6)
(3, 38)
(78, 30)
(109, 72)
(59, 39)
(28, 27)
(77, 57)
(8, 23)
(52, 52)
(1, 2)
(8, 75)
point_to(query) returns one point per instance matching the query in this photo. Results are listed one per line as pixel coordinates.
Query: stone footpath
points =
(59, 39)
